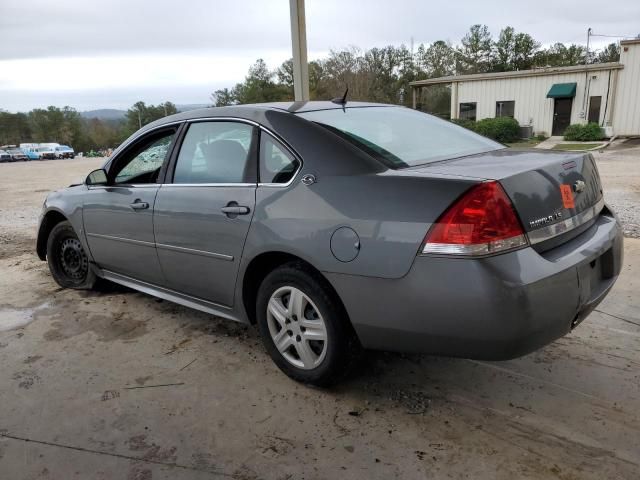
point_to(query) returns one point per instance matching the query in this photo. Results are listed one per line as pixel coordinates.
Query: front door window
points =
(142, 165)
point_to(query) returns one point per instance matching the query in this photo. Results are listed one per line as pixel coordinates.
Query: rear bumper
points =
(492, 308)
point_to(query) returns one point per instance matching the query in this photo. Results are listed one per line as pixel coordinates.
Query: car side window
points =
(145, 161)
(214, 152)
(277, 165)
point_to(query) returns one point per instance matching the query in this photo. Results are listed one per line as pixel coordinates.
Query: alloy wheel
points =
(297, 328)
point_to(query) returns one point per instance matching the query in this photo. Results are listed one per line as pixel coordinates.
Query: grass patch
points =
(524, 144)
(576, 146)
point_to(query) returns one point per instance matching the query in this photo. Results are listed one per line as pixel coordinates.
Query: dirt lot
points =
(117, 384)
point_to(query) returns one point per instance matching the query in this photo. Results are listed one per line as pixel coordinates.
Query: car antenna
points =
(343, 100)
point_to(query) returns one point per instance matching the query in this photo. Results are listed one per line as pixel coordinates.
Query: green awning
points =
(562, 90)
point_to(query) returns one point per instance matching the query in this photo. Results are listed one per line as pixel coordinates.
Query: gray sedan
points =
(337, 227)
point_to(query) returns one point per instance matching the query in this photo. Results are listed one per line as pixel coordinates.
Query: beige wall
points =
(626, 115)
(532, 107)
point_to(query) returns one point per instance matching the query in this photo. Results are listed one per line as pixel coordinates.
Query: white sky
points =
(111, 54)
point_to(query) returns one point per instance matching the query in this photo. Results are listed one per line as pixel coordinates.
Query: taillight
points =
(481, 222)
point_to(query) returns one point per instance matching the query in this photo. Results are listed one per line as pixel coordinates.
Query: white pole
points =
(299, 46)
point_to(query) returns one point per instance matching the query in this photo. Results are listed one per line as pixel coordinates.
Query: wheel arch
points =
(50, 220)
(264, 263)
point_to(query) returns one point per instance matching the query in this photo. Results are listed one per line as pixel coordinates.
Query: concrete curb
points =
(605, 145)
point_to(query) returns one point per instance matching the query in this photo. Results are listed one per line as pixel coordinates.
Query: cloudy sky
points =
(112, 53)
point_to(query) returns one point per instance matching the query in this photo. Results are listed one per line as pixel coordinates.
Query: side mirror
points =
(97, 177)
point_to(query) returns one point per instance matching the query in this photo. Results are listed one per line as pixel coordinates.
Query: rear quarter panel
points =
(390, 212)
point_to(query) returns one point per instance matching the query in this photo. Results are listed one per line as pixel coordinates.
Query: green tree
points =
(140, 114)
(610, 53)
(514, 51)
(560, 55)
(381, 70)
(14, 128)
(53, 124)
(259, 86)
(317, 87)
(505, 47)
(285, 73)
(475, 53)
(223, 97)
(438, 60)
(71, 129)
(317, 84)
(62, 125)
(524, 52)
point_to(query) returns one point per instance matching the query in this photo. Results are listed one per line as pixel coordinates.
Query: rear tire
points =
(68, 262)
(304, 326)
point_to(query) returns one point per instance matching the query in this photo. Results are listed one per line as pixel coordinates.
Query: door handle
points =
(232, 209)
(138, 205)
(235, 210)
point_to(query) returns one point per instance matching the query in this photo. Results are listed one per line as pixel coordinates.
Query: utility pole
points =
(299, 47)
(583, 114)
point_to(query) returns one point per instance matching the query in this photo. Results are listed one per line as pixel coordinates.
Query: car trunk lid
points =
(554, 193)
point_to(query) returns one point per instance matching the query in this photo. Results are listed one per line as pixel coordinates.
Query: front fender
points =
(59, 206)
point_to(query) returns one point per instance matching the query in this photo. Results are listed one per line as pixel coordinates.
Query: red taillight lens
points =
(481, 222)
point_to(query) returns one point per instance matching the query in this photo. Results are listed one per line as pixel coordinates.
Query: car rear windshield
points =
(401, 137)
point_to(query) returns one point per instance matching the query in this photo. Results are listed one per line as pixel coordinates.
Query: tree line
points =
(383, 74)
(67, 126)
(376, 75)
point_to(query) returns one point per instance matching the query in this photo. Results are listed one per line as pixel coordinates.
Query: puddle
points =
(12, 318)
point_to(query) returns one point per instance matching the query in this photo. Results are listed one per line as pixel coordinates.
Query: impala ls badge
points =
(538, 222)
(579, 186)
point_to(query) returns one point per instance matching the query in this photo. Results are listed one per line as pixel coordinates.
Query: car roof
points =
(311, 106)
(272, 116)
(254, 111)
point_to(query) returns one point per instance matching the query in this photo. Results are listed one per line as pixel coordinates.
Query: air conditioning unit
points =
(526, 131)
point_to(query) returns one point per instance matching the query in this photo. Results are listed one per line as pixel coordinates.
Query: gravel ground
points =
(117, 384)
(619, 167)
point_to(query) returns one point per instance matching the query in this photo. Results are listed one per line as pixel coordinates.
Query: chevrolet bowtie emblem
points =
(579, 186)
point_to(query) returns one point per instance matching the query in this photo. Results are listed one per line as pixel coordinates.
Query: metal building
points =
(550, 99)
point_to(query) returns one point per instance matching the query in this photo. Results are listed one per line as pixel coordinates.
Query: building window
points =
(505, 108)
(594, 109)
(468, 111)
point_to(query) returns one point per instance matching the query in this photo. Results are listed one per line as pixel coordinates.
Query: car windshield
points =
(401, 137)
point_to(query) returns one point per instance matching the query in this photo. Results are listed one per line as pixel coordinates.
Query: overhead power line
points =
(614, 36)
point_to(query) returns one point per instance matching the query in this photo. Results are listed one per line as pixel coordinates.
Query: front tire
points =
(304, 326)
(68, 262)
